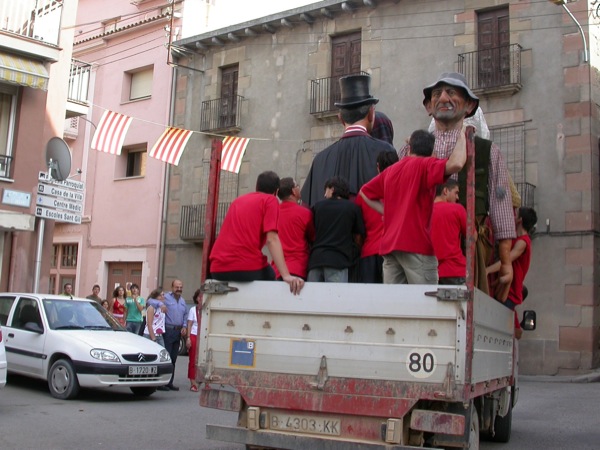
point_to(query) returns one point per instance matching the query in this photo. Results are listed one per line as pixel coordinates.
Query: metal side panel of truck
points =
(353, 365)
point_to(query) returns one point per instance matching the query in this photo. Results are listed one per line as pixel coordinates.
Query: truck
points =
(358, 366)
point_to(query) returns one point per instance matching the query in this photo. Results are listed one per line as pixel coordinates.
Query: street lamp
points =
(563, 3)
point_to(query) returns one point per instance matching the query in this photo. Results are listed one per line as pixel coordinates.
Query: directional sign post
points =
(59, 200)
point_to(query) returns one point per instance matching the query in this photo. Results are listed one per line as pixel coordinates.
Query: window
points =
(63, 268)
(69, 255)
(5, 306)
(229, 96)
(493, 43)
(8, 105)
(27, 312)
(140, 84)
(133, 161)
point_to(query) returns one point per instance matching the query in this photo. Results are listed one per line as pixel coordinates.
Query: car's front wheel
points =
(62, 380)
(143, 391)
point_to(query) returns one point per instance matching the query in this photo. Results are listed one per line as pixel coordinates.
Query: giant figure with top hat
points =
(354, 155)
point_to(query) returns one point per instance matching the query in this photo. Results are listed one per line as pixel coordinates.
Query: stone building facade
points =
(274, 80)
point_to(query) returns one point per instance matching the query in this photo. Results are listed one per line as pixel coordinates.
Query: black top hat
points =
(355, 91)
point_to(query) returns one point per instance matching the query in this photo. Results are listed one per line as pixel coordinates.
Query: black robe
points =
(353, 157)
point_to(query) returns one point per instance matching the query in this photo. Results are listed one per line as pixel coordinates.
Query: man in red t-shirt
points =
(520, 256)
(408, 188)
(448, 228)
(296, 229)
(250, 223)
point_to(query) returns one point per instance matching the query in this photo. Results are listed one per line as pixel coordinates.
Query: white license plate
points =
(143, 370)
(305, 424)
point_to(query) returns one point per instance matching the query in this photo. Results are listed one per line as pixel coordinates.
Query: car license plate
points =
(143, 370)
(305, 424)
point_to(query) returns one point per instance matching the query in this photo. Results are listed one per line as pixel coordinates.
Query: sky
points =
(223, 13)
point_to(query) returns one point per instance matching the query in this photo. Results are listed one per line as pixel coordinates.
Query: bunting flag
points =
(171, 144)
(111, 131)
(232, 153)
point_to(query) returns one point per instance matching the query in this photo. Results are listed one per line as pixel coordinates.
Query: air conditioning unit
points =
(71, 128)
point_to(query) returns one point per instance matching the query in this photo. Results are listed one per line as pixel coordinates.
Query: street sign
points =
(54, 214)
(51, 189)
(58, 203)
(59, 200)
(68, 184)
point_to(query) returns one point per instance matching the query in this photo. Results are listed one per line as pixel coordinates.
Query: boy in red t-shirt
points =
(408, 190)
(520, 256)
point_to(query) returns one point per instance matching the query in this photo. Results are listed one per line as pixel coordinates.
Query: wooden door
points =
(229, 96)
(493, 43)
(123, 274)
(345, 52)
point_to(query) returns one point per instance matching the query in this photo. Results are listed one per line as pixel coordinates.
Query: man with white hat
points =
(449, 100)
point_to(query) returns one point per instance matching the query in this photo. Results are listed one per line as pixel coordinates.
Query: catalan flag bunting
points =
(232, 153)
(171, 144)
(111, 131)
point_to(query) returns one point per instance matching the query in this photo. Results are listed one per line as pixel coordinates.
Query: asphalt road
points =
(548, 416)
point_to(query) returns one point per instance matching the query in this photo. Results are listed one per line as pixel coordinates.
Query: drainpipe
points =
(163, 222)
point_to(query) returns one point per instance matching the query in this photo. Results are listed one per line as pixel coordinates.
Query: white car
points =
(2, 361)
(73, 343)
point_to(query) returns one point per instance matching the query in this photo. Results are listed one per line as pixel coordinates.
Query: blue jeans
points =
(172, 337)
(328, 274)
(159, 339)
(133, 327)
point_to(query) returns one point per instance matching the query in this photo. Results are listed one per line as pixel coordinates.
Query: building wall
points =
(39, 118)
(122, 216)
(405, 46)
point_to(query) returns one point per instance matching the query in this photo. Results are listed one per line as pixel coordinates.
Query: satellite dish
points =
(58, 157)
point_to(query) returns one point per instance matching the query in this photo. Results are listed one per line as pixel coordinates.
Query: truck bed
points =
(333, 341)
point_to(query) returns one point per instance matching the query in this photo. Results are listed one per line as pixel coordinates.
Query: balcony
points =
(324, 93)
(222, 114)
(5, 163)
(77, 96)
(493, 71)
(193, 217)
(31, 23)
(527, 193)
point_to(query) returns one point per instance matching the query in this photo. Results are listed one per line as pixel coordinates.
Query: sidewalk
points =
(591, 377)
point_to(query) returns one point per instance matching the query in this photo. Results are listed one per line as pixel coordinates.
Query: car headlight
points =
(104, 355)
(163, 356)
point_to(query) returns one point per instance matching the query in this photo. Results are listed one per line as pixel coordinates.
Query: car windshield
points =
(75, 315)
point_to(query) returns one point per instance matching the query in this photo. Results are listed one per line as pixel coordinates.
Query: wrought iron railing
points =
(39, 19)
(5, 163)
(527, 192)
(492, 68)
(79, 81)
(325, 92)
(221, 114)
(191, 227)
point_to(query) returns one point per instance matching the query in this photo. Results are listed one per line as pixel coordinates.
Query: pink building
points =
(36, 40)
(118, 240)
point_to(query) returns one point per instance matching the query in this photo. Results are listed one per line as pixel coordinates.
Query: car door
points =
(25, 337)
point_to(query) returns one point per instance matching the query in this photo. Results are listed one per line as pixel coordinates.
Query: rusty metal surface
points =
(291, 441)
(375, 398)
(470, 243)
(437, 422)
(220, 399)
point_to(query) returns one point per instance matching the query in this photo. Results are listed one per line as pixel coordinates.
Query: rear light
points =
(0, 334)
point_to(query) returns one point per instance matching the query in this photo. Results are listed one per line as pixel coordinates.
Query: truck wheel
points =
(62, 380)
(474, 429)
(503, 427)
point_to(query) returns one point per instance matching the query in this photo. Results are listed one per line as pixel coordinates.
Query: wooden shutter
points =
(493, 42)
